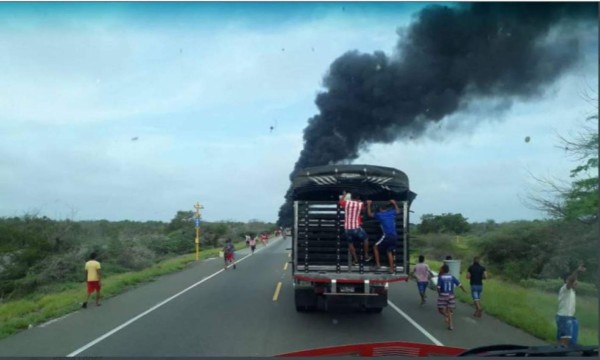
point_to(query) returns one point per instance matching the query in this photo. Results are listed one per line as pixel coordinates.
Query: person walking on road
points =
(422, 273)
(446, 300)
(92, 278)
(476, 273)
(355, 234)
(387, 243)
(252, 243)
(228, 252)
(567, 326)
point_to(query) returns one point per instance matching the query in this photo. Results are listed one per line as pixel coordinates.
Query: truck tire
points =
(305, 300)
(375, 310)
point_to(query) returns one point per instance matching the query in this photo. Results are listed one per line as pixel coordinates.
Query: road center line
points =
(415, 324)
(277, 289)
(285, 266)
(134, 319)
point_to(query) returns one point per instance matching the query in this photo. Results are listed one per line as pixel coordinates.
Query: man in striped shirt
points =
(352, 225)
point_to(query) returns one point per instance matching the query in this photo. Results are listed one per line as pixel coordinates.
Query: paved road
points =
(205, 311)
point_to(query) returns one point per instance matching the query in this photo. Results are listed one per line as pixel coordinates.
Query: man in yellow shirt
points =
(92, 277)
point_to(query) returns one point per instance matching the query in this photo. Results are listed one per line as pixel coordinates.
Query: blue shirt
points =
(447, 283)
(387, 219)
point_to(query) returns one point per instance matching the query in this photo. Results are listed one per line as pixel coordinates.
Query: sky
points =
(134, 111)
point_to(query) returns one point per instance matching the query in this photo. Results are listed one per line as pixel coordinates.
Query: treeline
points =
(37, 253)
(517, 250)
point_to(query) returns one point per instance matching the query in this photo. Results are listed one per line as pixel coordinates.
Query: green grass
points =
(529, 309)
(17, 315)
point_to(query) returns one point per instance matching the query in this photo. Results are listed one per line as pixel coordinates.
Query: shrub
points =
(554, 285)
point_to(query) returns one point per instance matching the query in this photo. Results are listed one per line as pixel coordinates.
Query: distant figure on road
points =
(252, 245)
(476, 273)
(422, 273)
(248, 237)
(265, 239)
(567, 326)
(387, 243)
(228, 251)
(352, 225)
(446, 300)
(92, 278)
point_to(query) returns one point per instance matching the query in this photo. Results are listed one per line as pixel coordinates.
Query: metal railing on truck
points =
(320, 244)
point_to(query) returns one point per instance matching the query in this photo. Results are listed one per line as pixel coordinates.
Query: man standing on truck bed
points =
(387, 218)
(352, 225)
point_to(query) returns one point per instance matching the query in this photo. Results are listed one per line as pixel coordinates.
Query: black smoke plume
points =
(448, 57)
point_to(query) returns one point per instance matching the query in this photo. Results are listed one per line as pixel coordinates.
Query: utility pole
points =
(197, 223)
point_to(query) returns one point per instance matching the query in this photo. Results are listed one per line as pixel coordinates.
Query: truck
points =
(322, 269)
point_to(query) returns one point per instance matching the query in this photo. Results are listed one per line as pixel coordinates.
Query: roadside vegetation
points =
(41, 260)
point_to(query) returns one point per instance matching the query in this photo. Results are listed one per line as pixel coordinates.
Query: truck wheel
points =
(375, 310)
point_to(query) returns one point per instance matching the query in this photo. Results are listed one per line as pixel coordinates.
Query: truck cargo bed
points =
(320, 246)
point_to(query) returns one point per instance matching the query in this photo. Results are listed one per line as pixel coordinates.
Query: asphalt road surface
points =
(206, 311)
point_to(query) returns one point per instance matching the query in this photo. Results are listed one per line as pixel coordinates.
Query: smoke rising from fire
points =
(446, 58)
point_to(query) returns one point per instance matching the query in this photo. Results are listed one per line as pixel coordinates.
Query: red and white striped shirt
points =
(352, 210)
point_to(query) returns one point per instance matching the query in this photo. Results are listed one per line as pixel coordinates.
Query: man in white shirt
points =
(422, 273)
(566, 324)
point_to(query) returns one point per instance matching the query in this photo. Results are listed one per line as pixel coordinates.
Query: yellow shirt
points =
(92, 268)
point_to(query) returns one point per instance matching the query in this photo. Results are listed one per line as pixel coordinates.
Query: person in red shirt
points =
(352, 225)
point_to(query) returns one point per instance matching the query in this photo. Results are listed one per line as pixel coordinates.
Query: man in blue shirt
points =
(387, 243)
(446, 300)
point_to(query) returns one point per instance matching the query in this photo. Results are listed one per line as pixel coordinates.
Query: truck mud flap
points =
(375, 303)
(305, 299)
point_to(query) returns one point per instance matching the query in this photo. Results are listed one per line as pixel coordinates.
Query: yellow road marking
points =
(285, 267)
(290, 254)
(276, 295)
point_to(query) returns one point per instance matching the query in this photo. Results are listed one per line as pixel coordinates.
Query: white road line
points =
(54, 320)
(134, 319)
(415, 324)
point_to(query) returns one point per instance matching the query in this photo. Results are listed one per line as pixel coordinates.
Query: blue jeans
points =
(567, 327)
(422, 286)
(476, 291)
(356, 236)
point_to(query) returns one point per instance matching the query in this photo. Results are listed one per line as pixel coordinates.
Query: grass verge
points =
(38, 308)
(529, 309)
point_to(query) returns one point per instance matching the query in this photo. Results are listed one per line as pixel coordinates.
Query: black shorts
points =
(387, 243)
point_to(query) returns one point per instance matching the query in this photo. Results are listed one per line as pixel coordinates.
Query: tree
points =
(445, 223)
(577, 200)
(182, 220)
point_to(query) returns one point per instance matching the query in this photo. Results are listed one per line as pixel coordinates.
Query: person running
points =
(387, 218)
(476, 273)
(422, 273)
(228, 251)
(248, 237)
(264, 239)
(567, 326)
(446, 299)
(252, 244)
(352, 225)
(92, 278)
